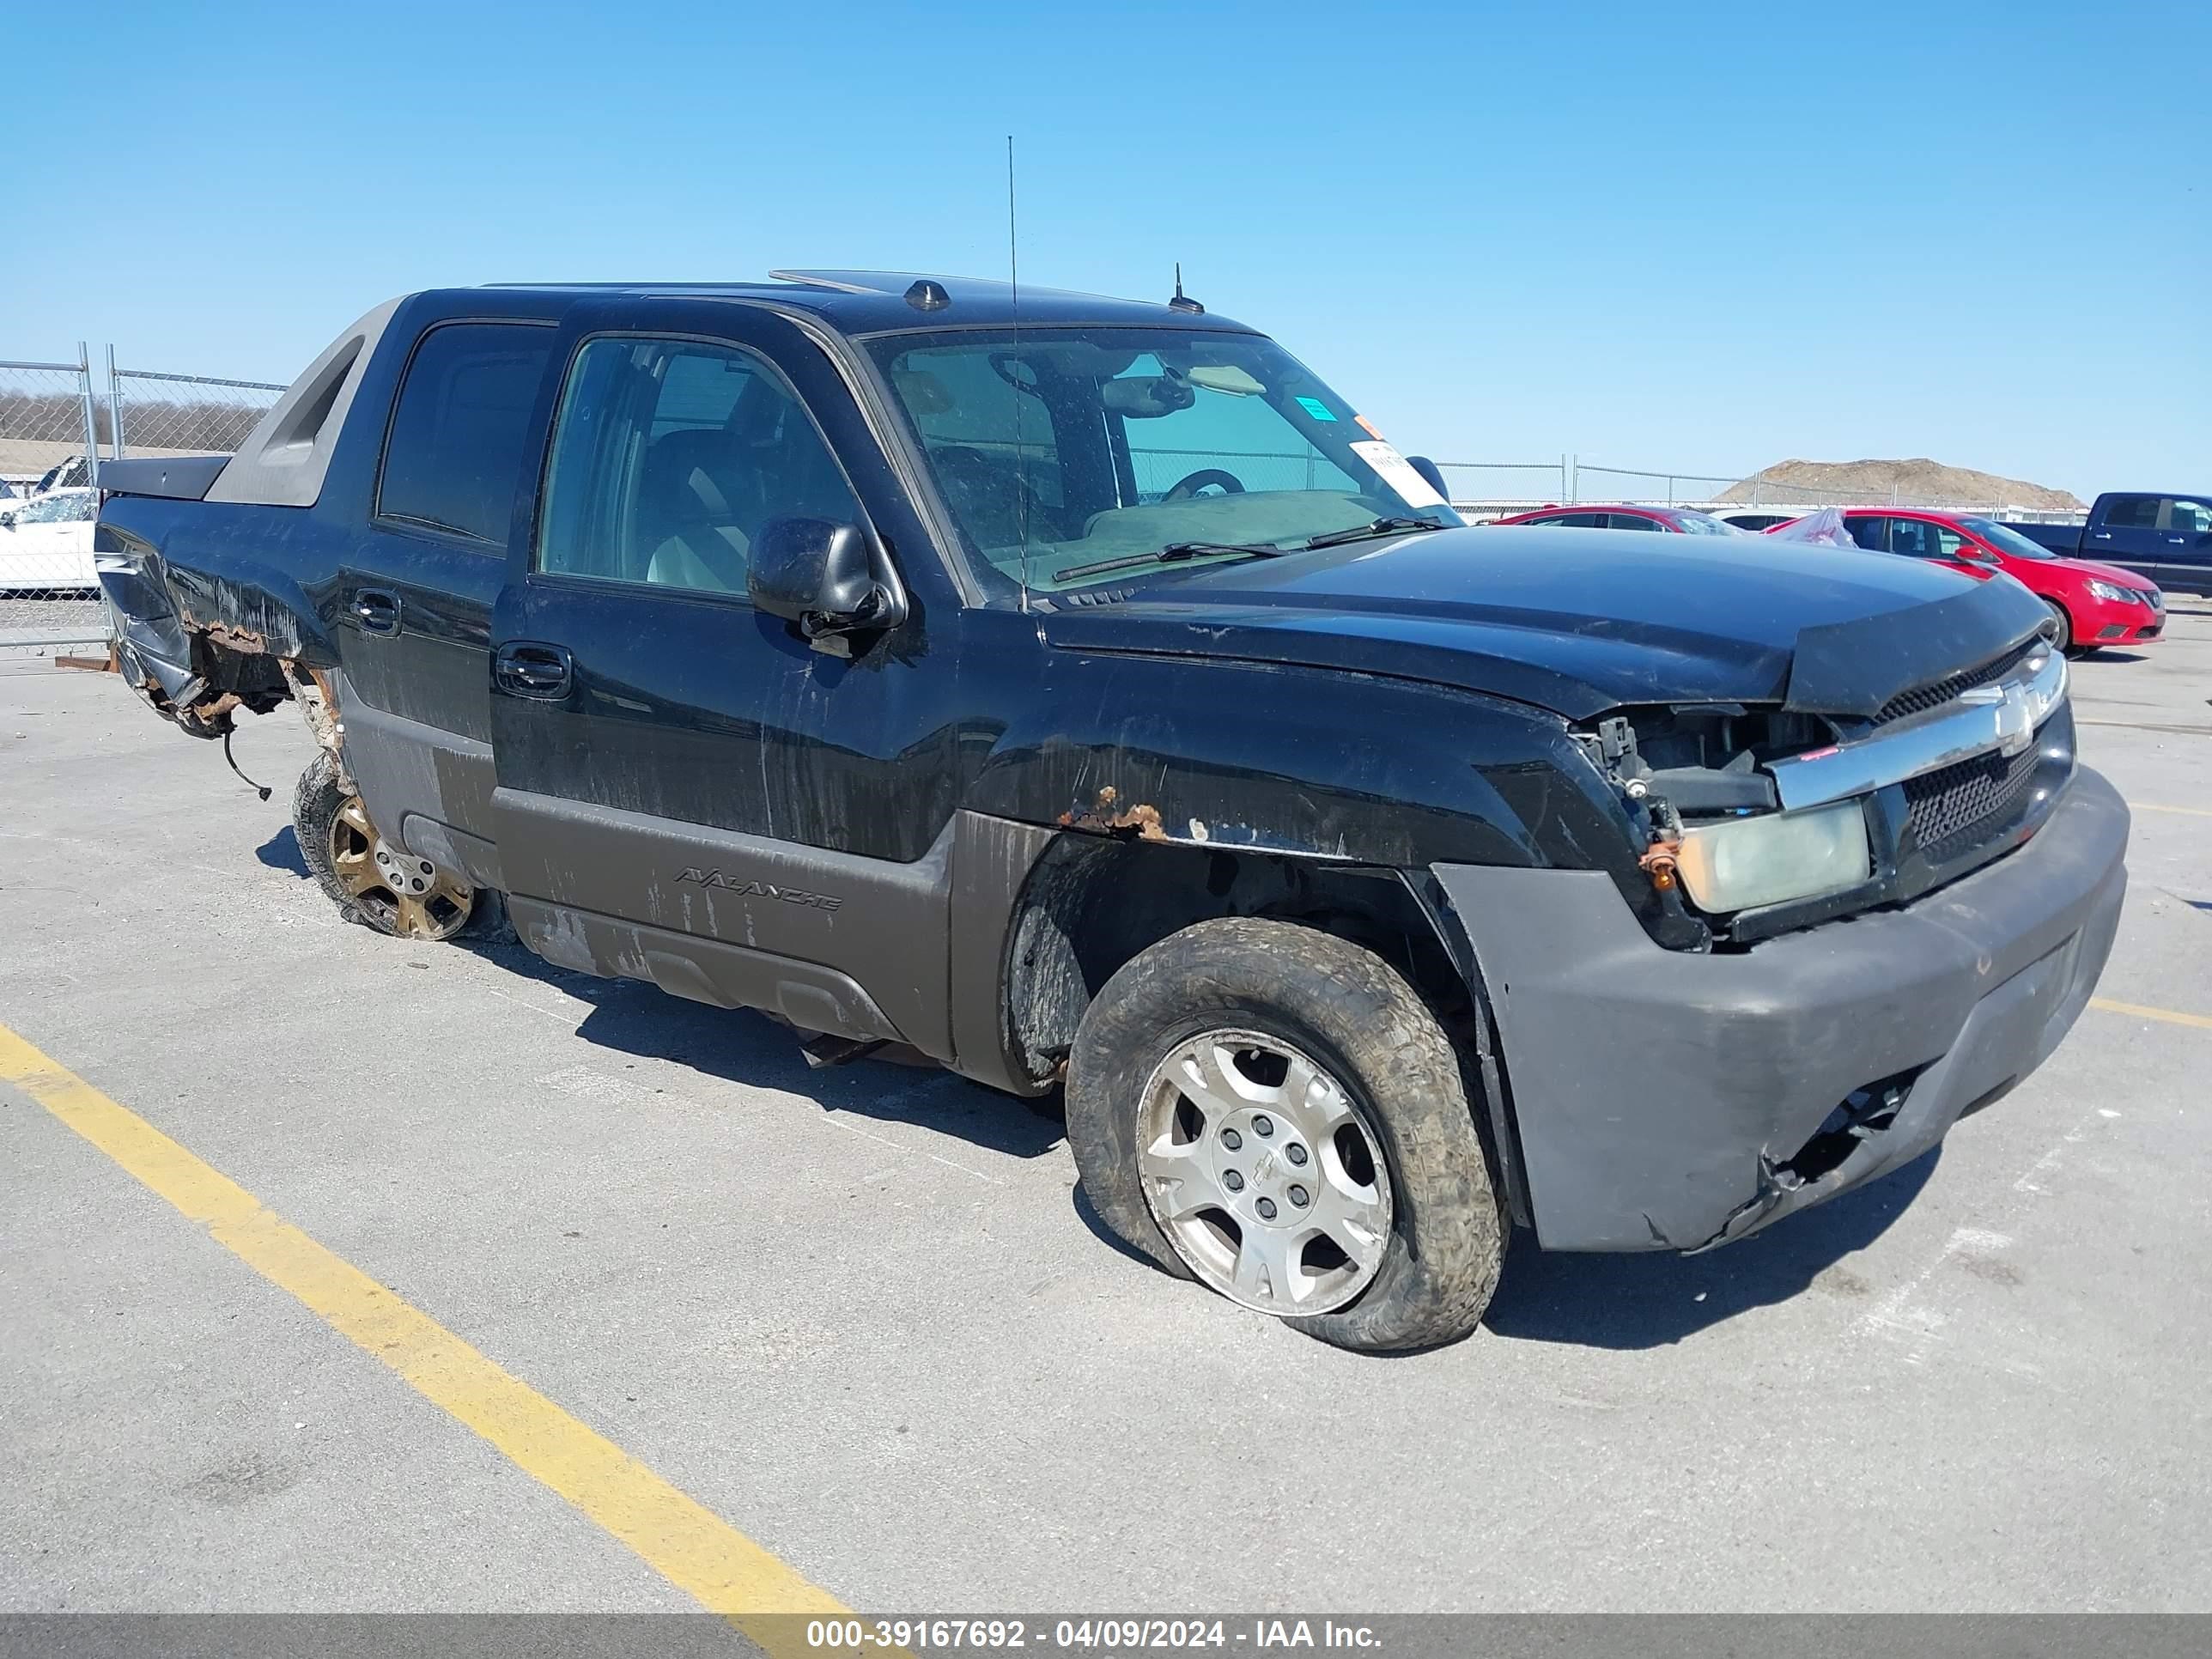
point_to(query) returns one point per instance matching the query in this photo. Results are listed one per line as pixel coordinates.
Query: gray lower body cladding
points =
(1669, 1102)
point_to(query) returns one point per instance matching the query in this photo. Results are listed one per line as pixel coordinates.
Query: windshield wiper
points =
(1173, 553)
(1390, 527)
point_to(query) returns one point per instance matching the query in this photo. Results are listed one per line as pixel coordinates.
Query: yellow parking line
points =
(679, 1538)
(2185, 811)
(2203, 1021)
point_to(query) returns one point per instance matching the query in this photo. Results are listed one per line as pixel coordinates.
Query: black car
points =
(1080, 692)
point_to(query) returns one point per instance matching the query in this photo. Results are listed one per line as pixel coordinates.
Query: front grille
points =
(1937, 693)
(1958, 808)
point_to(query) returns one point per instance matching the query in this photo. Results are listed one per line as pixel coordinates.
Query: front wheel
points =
(1275, 1112)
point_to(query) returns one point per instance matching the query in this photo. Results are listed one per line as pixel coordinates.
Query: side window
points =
(1577, 520)
(1868, 531)
(669, 456)
(2132, 512)
(2186, 517)
(1949, 544)
(1630, 521)
(991, 442)
(452, 460)
(1914, 537)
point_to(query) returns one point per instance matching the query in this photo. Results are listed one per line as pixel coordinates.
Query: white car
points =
(46, 544)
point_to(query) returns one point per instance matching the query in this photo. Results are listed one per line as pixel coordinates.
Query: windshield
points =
(2009, 541)
(1061, 448)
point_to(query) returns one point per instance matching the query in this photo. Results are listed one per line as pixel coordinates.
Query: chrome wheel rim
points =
(1264, 1173)
(410, 896)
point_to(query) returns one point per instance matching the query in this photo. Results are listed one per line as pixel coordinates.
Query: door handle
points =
(522, 668)
(377, 610)
(2102, 535)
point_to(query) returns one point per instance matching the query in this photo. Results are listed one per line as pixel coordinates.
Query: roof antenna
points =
(1021, 463)
(1182, 301)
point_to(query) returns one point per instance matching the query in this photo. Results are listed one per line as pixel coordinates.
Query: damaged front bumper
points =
(1664, 1101)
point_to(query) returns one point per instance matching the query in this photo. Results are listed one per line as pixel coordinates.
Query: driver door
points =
(687, 790)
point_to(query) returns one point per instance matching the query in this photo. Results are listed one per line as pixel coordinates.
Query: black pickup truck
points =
(2165, 535)
(1080, 692)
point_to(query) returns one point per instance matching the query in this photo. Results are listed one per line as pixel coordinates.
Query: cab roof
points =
(876, 301)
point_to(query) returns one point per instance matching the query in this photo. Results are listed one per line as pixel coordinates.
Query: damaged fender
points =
(1672, 1101)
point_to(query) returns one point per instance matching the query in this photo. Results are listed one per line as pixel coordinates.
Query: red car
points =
(2096, 604)
(1680, 519)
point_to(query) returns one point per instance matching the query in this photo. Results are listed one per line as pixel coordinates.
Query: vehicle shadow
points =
(2105, 653)
(630, 1017)
(1651, 1300)
(281, 852)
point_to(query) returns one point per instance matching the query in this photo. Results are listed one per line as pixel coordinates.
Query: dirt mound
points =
(1921, 481)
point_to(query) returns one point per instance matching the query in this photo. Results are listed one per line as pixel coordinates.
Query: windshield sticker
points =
(1318, 410)
(1398, 472)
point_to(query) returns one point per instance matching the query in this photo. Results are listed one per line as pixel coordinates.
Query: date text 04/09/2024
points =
(1086, 1635)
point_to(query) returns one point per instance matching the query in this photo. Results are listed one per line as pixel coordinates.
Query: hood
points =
(2117, 575)
(1581, 621)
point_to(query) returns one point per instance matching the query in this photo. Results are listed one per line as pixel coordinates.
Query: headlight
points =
(1748, 862)
(2107, 591)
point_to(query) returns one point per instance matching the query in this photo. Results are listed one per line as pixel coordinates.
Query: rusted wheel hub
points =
(404, 894)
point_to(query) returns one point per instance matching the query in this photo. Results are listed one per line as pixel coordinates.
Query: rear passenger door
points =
(416, 592)
(688, 791)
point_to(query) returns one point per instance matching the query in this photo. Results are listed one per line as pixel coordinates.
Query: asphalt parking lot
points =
(859, 1316)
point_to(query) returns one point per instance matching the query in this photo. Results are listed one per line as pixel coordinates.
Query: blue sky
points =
(1702, 237)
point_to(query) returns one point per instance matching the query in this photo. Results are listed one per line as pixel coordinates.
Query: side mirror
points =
(820, 575)
(1429, 471)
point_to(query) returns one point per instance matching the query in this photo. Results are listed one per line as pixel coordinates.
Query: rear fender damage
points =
(199, 677)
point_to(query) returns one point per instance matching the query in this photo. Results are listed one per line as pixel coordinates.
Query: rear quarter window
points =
(452, 457)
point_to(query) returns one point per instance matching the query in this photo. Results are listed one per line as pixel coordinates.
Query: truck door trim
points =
(742, 916)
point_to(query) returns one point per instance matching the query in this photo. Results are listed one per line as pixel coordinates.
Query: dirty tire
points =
(315, 802)
(488, 919)
(1353, 1014)
(317, 799)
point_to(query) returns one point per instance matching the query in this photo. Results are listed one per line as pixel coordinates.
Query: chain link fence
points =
(57, 425)
(1497, 488)
(184, 414)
